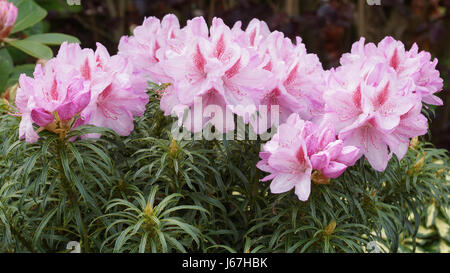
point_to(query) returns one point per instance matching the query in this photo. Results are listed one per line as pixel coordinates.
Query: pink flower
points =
(409, 65)
(412, 124)
(8, 16)
(147, 48)
(297, 80)
(328, 155)
(300, 76)
(80, 86)
(371, 99)
(214, 69)
(285, 158)
(300, 147)
(241, 78)
(229, 69)
(279, 55)
(117, 94)
(427, 79)
(197, 74)
(254, 35)
(55, 91)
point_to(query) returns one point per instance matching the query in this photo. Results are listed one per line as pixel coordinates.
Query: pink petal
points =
(334, 169)
(26, 129)
(387, 123)
(433, 100)
(327, 135)
(334, 149)
(198, 27)
(303, 186)
(41, 117)
(284, 161)
(377, 154)
(283, 182)
(81, 101)
(269, 177)
(67, 111)
(349, 155)
(320, 160)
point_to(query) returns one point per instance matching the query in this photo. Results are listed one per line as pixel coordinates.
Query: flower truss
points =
(80, 86)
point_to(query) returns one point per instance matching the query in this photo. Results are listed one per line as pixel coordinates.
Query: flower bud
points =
(121, 185)
(413, 143)
(8, 16)
(318, 178)
(419, 164)
(173, 148)
(330, 228)
(148, 211)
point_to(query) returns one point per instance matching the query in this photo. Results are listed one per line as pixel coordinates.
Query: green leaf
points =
(143, 243)
(5, 71)
(4, 55)
(90, 129)
(227, 248)
(6, 65)
(189, 207)
(122, 239)
(189, 229)
(162, 240)
(53, 38)
(42, 225)
(29, 14)
(175, 243)
(32, 48)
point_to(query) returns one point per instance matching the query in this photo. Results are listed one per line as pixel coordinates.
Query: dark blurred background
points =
(328, 27)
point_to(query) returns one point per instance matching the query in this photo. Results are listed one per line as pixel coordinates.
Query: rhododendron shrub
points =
(88, 153)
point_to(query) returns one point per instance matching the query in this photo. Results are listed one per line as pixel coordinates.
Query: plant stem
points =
(72, 195)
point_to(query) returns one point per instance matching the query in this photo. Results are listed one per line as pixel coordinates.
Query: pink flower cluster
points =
(80, 86)
(411, 67)
(370, 105)
(372, 102)
(230, 68)
(298, 148)
(8, 16)
(375, 98)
